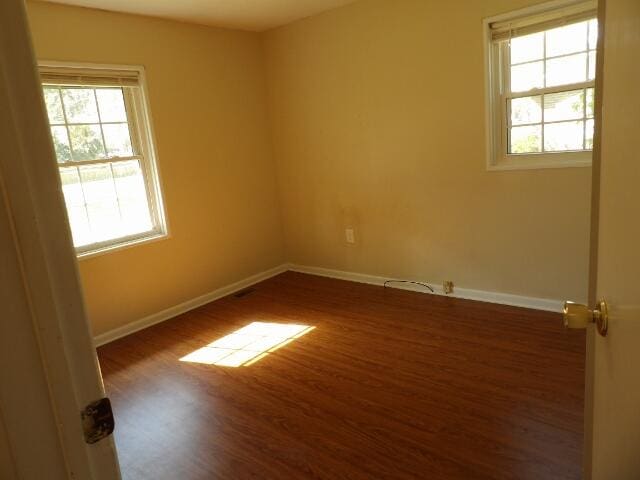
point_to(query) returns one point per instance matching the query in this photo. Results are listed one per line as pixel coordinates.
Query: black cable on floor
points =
(409, 281)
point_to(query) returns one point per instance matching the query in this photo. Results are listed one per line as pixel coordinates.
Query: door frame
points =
(593, 245)
(45, 279)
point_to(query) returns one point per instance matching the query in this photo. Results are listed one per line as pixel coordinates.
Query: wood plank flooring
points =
(389, 385)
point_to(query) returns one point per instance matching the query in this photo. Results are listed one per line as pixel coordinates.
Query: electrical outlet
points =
(350, 235)
(447, 287)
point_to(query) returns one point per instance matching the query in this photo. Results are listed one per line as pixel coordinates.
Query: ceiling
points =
(256, 15)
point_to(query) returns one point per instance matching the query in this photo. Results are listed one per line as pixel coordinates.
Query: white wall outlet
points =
(350, 235)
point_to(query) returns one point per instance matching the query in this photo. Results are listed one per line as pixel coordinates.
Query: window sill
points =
(122, 245)
(537, 162)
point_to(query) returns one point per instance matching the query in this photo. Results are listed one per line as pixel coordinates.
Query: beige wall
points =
(207, 96)
(377, 115)
(376, 120)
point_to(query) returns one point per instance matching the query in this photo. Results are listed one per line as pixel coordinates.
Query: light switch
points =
(350, 235)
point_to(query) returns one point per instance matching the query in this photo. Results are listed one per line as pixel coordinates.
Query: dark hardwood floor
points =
(389, 385)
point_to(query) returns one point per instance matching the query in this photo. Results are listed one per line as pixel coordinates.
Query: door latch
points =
(97, 420)
(576, 315)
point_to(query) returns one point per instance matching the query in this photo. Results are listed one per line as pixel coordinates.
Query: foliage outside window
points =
(105, 157)
(542, 91)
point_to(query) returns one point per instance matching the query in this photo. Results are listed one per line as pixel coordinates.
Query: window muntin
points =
(559, 66)
(541, 79)
(105, 158)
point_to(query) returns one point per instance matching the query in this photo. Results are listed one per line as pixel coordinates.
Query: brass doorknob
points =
(576, 315)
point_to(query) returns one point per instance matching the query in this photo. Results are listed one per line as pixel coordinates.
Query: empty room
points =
(319, 239)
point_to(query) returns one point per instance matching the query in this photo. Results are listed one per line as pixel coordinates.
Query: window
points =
(542, 67)
(101, 134)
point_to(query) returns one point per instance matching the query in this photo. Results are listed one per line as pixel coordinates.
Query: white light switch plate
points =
(350, 235)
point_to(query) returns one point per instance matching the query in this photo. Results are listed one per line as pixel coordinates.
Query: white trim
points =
(148, 160)
(537, 9)
(466, 293)
(51, 333)
(495, 129)
(184, 307)
(90, 66)
(554, 16)
(136, 241)
(537, 164)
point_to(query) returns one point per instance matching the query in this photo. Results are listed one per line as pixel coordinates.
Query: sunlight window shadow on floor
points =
(248, 345)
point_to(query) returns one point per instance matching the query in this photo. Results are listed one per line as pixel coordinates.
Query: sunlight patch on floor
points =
(246, 346)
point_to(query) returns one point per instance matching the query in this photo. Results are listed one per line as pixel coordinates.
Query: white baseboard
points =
(480, 295)
(184, 307)
(483, 296)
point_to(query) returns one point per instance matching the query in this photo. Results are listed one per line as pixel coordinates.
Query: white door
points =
(48, 366)
(613, 362)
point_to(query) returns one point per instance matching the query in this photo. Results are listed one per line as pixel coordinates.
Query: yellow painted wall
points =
(375, 116)
(208, 104)
(377, 113)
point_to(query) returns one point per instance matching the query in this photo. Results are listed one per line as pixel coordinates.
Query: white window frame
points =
(139, 120)
(496, 110)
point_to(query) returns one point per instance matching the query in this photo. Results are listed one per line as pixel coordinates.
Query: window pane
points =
(80, 228)
(132, 195)
(527, 76)
(568, 39)
(593, 34)
(106, 201)
(86, 141)
(527, 48)
(592, 65)
(102, 202)
(566, 70)
(111, 103)
(71, 187)
(590, 102)
(54, 105)
(526, 110)
(61, 144)
(526, 139)
(76, 211)
(564, 106)
(80, 105)
(97, 183)
(589, 135)
(116, 136)
(563, 136)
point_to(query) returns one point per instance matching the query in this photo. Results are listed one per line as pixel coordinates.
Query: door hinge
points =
(97, 420)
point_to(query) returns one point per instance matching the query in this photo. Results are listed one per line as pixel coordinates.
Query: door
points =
(613, 362)
(48, 366)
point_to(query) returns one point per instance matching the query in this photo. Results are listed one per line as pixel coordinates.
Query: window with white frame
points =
(542, 69)
(102, 137)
